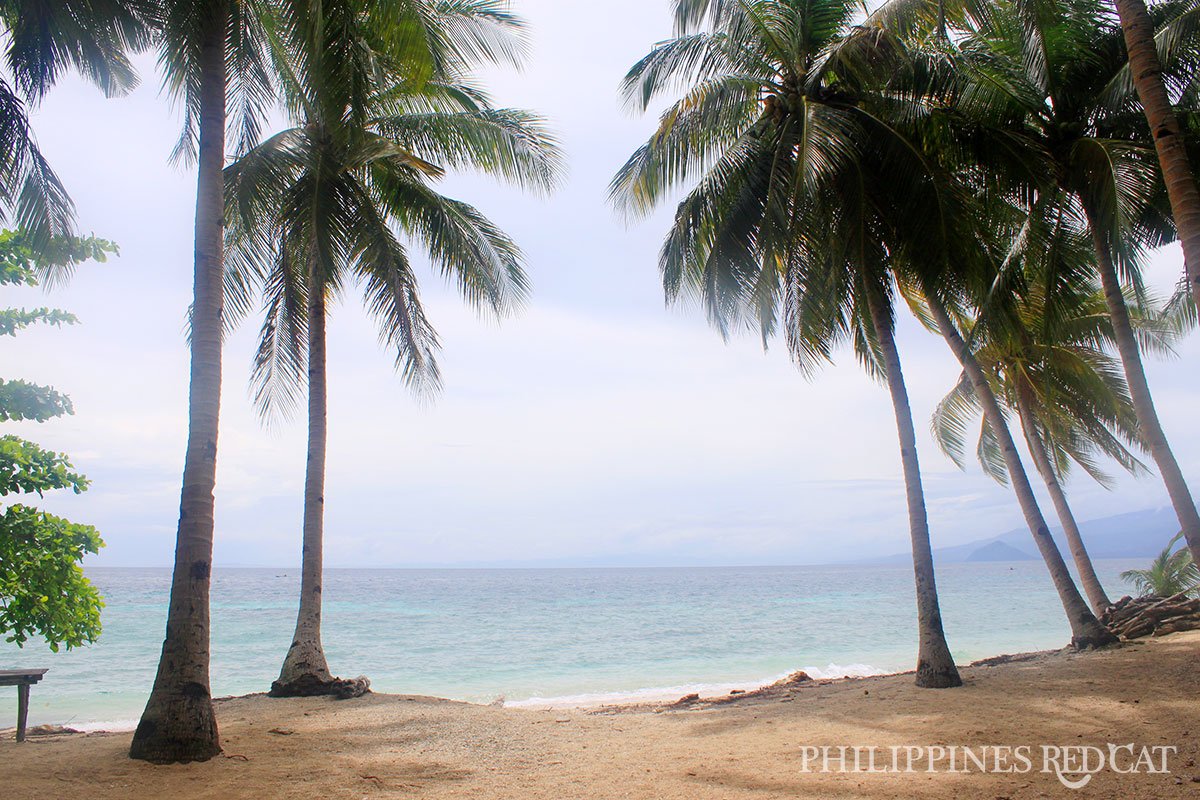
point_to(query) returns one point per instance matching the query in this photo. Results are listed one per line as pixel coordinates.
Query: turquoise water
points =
(550, 635)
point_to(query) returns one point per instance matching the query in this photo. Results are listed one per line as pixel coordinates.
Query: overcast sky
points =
(597, 427)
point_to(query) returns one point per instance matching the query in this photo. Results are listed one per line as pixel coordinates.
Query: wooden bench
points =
(22, 679)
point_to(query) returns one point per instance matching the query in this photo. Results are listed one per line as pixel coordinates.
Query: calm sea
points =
(543, 636)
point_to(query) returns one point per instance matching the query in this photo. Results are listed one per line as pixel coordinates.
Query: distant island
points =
(999, 551)
(1138, 534)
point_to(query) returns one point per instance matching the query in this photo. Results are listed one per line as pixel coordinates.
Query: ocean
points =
(549, 636)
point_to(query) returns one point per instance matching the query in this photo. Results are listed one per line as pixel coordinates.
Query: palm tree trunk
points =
(1168, 139)
(1037, 449)
(1139, 390)
(178, 723)
(1086, 630)
(305, 671)
(935, 664)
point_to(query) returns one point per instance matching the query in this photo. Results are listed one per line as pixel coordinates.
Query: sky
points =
(597, 427)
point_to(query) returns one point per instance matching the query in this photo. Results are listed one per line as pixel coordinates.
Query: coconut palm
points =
(214, 58)
(1061, 73)
(1169, 574)
(1142, 43)
(939, 296)
(1085, 628)
(330, 202)
(787, 214)
(42, 40)
(880, 102)
(1048, 366)
(219, 58)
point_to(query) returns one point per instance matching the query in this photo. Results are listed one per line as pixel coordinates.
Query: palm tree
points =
(324, 204)
(1048, 366)
(213, 56)
(219, 58)
(1169, 574)
(1060, 72)
(1086, 630)
(42, 40)
(1147, 72)
(778, 129)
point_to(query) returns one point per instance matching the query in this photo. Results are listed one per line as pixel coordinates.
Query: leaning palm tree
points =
(854, 183)
(330, 201)
(1142, 44)
(1061, 72)
(1086, 629)
(1048, 366)
(963, 253)
(1169, 574)
(42, 40)
(777, 129)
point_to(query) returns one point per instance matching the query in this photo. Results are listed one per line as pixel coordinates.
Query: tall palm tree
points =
(42, 41)
(1064, 67)
(1166, 132)
(1048, 366)
(953, 258)
(213, 56)
(327, 202)
(779, 132)
(218, 57)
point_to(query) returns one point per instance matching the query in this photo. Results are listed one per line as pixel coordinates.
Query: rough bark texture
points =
(935, 664)
(1086, 631)
(304, 669)
(178, 724)
(1083, 562)
(1139, 390)
(1168, 138)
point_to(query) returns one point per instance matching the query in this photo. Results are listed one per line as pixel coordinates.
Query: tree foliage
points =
(43, 591)
(347, 193)
(39, 41)
(1169, 574)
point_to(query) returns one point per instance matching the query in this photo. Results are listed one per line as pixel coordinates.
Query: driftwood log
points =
(1132, 618)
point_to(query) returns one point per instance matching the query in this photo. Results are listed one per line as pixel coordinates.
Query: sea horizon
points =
(552, 636)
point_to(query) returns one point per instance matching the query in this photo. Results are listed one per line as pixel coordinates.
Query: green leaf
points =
(43, 592)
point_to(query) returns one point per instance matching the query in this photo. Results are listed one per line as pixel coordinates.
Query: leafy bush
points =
(1169, 574)
(43, 591)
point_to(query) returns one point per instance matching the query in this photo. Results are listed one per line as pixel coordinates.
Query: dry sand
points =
(389, 746)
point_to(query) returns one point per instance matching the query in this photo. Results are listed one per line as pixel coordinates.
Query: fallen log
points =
(1175, 625)
(1133, 618)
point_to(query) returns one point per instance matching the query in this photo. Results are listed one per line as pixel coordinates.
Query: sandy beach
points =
(747, 746)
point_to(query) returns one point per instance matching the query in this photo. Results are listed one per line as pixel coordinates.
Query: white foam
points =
(107, 726)
(661, 693)
(847, 671)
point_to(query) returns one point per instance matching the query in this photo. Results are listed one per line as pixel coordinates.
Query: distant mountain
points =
(1138, 534)
(999, 551)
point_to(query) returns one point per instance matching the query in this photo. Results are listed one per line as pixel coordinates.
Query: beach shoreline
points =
(750, 745)
(637, 699)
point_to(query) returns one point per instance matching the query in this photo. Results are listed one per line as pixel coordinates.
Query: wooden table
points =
(22, 679)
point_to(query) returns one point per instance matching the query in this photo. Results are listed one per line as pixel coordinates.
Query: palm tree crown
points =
(93, 37)
(351, 180)
(796, 127)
